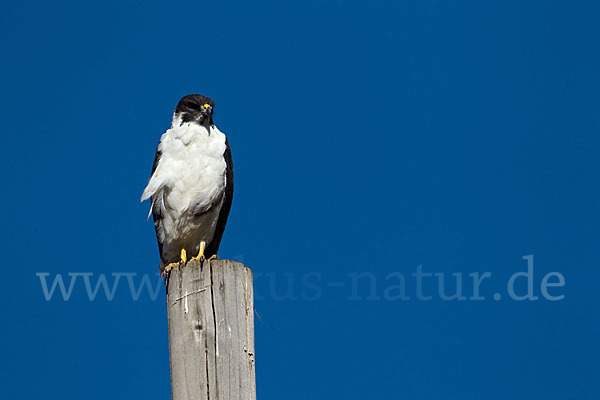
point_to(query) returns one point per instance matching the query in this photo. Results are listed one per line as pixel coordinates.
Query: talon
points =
(165, 274)
(213, 257)
(200, 256)
(169, 267)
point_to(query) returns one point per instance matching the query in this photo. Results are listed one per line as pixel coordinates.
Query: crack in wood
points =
(189, 294)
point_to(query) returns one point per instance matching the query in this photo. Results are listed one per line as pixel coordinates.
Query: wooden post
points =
(211, 331)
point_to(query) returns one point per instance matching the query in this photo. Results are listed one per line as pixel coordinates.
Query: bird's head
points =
(195, 108)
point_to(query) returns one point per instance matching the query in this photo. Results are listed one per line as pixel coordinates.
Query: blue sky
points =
(368, 137)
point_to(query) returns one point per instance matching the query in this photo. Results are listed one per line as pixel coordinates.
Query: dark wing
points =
(213, 246)
(156, 160)
(157, 201)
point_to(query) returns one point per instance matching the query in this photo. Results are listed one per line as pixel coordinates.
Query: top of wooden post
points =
(211, 331)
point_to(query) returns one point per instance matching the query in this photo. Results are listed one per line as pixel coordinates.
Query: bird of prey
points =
(191, 186)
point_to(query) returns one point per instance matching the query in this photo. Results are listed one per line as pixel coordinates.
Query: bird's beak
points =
(206, 109)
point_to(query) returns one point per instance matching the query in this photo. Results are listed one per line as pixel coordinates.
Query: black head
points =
(196, 108)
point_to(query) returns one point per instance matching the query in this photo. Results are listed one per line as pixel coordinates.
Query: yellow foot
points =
(183, 256)
(183, 260)
(213, 257)
(200, 256)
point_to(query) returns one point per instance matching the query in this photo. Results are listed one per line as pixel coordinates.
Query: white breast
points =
(191, 165)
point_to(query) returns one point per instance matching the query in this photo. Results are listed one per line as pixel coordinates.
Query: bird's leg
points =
(183, 260)
(183, 256)
(201, 252)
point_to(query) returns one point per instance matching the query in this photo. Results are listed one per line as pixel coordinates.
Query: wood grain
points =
(211, 331)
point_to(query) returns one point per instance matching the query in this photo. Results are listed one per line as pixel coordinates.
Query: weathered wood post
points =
(211, 331)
